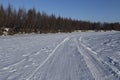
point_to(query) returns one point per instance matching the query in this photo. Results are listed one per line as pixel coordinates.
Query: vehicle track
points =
(112, 69)
(32, 74)
(89, 63)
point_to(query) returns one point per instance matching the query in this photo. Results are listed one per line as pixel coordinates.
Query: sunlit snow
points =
(61, 56)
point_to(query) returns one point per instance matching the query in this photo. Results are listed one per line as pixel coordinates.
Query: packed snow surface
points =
(70, 56)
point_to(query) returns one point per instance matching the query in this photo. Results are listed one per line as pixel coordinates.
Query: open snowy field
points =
(70, 56)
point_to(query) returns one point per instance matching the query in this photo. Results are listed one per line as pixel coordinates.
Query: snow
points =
(62, 56)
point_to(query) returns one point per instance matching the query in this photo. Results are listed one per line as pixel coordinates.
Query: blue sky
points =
(89, 10)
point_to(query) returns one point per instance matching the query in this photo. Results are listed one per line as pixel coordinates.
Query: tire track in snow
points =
(113, 68)
(90, 64)
(31, 75)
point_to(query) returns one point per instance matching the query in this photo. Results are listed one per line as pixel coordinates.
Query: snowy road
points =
(72, 56)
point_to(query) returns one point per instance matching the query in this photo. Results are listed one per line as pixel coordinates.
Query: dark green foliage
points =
(22, 21)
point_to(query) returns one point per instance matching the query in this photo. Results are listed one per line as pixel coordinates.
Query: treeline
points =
(22, 21)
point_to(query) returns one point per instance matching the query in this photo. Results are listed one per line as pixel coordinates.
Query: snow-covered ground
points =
(70, 56)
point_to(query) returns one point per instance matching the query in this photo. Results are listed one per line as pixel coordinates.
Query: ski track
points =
(47, 58)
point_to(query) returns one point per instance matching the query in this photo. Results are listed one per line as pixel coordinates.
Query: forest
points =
(32, 21)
